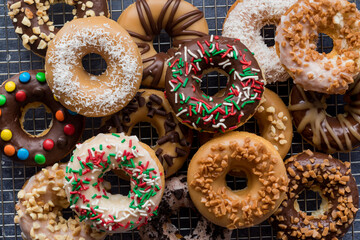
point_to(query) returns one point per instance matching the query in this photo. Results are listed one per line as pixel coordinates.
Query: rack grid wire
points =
(15, 58)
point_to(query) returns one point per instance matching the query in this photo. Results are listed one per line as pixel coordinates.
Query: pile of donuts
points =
(171, 100)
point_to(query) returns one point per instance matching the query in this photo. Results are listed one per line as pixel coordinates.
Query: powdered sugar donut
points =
(245, 20)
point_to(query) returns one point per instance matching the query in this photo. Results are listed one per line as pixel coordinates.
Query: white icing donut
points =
(246, 19)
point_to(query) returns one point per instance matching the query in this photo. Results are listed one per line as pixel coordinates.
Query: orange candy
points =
(59, 115)
(9, 150)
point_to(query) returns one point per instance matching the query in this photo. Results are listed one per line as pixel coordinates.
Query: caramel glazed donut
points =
(40, 205)
(245, 20)
(296, 38)
(176, 196)
(87, 94)
(173, 146)
(20, 93)
(146, 18)
(340, 133)
(340, 198)
(32, 22)
(242, 152)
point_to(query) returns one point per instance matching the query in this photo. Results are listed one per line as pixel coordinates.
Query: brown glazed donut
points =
(145, 19)
(32, 22)
(337, 187)
(173, 146)
(340, 133)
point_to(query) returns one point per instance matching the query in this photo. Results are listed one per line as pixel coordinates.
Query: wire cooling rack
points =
(15, 58)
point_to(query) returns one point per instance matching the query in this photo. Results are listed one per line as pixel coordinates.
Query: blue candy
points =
(23, 154)
(72, 113)
(24, 77)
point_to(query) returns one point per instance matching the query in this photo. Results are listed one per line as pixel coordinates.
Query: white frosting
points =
(245, 22)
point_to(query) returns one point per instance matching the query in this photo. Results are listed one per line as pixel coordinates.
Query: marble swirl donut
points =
(243, 92)
(145, 19)
(176, 196)
(173, 146)
(28, 90)
(340, 198)
(297, 35)
(340, 133)
(244, 21)
(32, 21)
(39, 209)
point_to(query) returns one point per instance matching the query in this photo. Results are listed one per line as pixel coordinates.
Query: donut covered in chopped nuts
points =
(39, 209)
(337, 187)
(243, 152)
(32, 22)
(296, 38)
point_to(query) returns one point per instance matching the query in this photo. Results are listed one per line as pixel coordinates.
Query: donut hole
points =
(116, 182)
(36, 119)
(335, 104)
(146, 133)
(214, 82)
(311, 202)
(268, 34)
(325, 43)
(94, 64)
(60, 13)
(162, 42)
(236, 180)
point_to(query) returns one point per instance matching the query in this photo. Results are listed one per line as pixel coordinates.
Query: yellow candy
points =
(10, 86)
(55, 98)
(6, 135)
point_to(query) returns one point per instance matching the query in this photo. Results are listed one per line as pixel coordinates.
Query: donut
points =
(296, 38)
(20, 93)
(337, 187)
(145, 19)
(39, 209)
(244, 21)
(243, 92)
(32, 21)
(330, 134)
(173, 146)
(84, 93)
(100, 209)
(176, 196)
(240, 151)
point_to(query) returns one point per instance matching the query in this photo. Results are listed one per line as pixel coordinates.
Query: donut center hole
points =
(94, 64)
(36, 119)
(185, 221)
(213, 83)
(325, 43)
(146, 133)
(268, 34)
(60, 13)
(115, 183)
(310, 202)
(335, 105)
(236, 180)
(162, 42)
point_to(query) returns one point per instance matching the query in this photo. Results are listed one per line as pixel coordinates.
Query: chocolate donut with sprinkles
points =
(219, 113)
(85, 176)
(20, 93)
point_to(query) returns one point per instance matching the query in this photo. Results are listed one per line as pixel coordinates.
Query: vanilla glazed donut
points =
(330, 134)
(296, 38)
(145, 19)
(20, 93)
(243, 92)
(173, 146)
(242, 152)
(176, 196)
(88, 197)
(340, 198)
(39, 209)
(244, 21)
(80, 91)
(32, 22)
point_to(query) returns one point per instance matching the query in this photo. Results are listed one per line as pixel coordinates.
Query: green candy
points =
(40, 76)
(2, 100)
(40, 159)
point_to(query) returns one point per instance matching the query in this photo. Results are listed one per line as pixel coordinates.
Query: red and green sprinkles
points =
(145, 184)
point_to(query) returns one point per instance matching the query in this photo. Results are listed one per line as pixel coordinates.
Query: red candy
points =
(69, 129)
(48, 144)
(20, 96)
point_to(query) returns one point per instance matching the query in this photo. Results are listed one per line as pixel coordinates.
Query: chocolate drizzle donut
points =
(32, 22)
(29, 90)
(337, 187)
(173, 145)
(146, 18)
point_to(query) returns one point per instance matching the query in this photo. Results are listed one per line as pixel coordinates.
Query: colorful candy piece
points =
(6, 135)
(10, 86)
(9, 150)
(24, 77)
(23, 154)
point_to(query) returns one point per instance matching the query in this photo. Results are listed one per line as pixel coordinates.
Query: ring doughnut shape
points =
(173, 146)
(245, 20)
(32, 22)
(145, 19)
(84, 93)
(243, 92)
(337, 187)
(340, 133)
(29, 90)
(43, 193)
(296, 38)
(243, 152)
(86, 193)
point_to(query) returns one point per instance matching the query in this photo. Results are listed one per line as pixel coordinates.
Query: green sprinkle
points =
(112, 154)
(187, 99)
(101, 147)
(122, 141)
(198, 120)
(104, 196)
(231, 71)
(180, 109)
(248, 102)
(185, 82)
(227, 99)
(94, 184)
(217, 116)
(90, 165)
(226, 110)
(76, 199)
(94, 196)
(116, 135)
(72, 159)
(245, 50)
(235, 56)
(81, 164)
(180, 95)
(86, 182)
(235, 104)
(67, 179)
(177, 87)
(221, 51)
(207, 53)
(198, 60)
(93, 149)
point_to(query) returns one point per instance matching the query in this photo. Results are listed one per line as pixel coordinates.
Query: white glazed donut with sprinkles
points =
(87, 195)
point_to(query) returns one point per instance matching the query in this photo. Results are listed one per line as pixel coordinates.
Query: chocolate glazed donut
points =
(146, 18)
(337, 187)
(327, 133)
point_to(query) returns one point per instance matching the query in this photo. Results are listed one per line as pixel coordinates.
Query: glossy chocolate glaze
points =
(11, 118)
